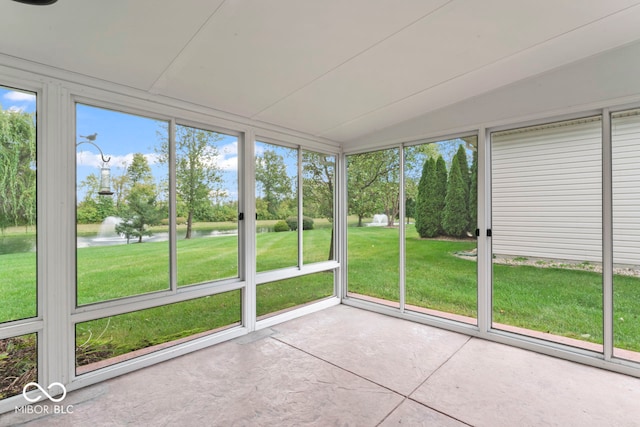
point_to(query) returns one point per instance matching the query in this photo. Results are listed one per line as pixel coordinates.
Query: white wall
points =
(547, 191)
(626, 188)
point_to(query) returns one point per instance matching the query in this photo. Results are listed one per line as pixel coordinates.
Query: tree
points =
(373, 183)
(473, 193)
(439, 193)
(275, 185)
(141, 207)
(17, 168)
(197, 174)
(432, 198)
(455, 216)
(93, 208)
(318, 184)
(318, 188)
(461, 158)
(428, 175)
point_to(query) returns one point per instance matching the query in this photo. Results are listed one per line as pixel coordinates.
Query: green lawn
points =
(560, 301)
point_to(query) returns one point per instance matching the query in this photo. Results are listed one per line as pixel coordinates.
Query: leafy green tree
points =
(119, 184)
(273, 182)
(141, 205)
(367, 174)
(455, 217)
(17, 168)
(318, 184)
(197, 174)
(93, 208)
(87, 212)
(410, 208)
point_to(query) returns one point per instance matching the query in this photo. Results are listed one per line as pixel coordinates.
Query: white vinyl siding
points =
(626, 187)
(547, 191)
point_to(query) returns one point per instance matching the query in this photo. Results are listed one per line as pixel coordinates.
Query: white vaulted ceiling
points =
(336, 69)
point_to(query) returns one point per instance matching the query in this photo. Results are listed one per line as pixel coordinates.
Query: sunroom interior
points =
(179, 175)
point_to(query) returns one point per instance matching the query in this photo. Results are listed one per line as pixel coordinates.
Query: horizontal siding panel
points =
(547, 192)
(626, 189)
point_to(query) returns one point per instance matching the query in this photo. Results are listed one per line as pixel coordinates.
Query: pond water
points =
(27, 243)
(17, 243)
(87, 242)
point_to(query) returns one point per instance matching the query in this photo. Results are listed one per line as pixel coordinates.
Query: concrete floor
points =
(350, 367)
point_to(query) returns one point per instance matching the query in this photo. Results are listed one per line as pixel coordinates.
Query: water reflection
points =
(87, 242)
(17, 244)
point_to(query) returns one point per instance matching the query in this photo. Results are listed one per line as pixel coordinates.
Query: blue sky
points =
(17, 100)
(120, 135)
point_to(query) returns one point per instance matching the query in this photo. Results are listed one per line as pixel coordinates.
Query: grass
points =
(559, 301)
(555, 300)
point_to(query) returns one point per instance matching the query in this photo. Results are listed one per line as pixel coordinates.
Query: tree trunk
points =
(331, 245)
(189, 221)
(359, 220)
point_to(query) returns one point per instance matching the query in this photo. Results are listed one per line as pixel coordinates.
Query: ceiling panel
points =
(123, 41)
(616, 30)
(454, 41)
(251, 54)
(332, 68)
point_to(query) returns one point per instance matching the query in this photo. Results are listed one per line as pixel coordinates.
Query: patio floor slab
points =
(350, 367)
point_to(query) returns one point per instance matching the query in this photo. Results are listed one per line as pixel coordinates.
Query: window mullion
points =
(607, 236)
(173, 236)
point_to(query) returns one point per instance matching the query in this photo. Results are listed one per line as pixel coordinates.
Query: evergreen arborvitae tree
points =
(455, 217)
(440, 191)
(436, 193)
(461, 157)
(428, 173)
(473, 193)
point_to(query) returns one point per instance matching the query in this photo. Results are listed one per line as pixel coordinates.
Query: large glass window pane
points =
(18, 364)
(207, 205)
(283, 295)
(276, 206)
(547, 231)
(103, 342)
(18, 270)
(373, 191)
(317, 203)
(441, 209)
(122, 206)
(626, 233)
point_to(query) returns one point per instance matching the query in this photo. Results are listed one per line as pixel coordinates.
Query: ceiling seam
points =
(175, 58)
(326, 130)
(351, 58)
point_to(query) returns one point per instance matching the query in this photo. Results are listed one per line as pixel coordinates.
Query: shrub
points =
(307, 223)
(280, 226)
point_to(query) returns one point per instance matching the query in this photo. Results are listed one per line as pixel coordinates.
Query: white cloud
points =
(88, 158)
(228, 157)
(19, 96)
(16, 109)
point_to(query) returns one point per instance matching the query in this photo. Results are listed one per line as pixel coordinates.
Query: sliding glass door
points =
(546, 206)
(441, 218)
